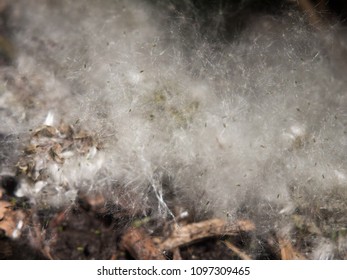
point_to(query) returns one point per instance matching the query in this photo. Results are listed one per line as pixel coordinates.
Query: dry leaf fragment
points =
(66, 130)
(46, 131)
(30, 149)
(55, 153)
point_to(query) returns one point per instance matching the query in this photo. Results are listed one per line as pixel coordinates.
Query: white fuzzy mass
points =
(260, 120)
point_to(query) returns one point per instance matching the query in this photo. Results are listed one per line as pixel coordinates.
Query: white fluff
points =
(261, 119)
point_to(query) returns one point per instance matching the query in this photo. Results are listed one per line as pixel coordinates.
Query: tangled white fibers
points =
(250, 124)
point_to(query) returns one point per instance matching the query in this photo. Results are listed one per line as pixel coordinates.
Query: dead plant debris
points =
(87, 231)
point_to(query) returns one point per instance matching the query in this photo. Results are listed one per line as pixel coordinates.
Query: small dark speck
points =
(323, 176)
(142, 71)
(262, 146)
(85, 65)
(278, 195)
(298, 109)
(129, 110)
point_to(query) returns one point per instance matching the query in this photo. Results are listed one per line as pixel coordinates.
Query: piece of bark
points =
(242, 255)
(191, 233)
(140, 245)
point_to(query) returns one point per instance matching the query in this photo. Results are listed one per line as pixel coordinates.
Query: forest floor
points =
(87, 230)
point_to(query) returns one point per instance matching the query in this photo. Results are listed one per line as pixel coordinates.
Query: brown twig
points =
(191, 233)
(140, 246)
(242, 255)
(287, 250)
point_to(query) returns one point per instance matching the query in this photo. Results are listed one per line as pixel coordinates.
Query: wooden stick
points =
(242, 255)
(287, 250)
(141, 246)
(191, 233)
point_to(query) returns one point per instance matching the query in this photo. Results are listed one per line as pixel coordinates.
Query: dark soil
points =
(82, 234)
